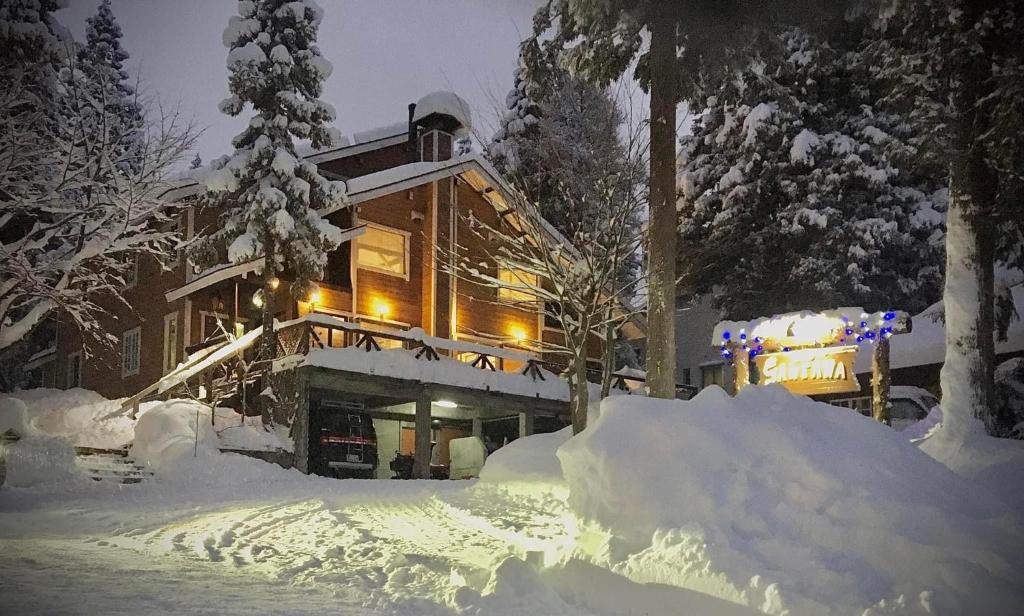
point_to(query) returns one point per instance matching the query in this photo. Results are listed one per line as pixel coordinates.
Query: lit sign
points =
(810, 371)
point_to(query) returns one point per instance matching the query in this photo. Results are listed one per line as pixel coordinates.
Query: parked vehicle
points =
(348, 445)
(909, 405)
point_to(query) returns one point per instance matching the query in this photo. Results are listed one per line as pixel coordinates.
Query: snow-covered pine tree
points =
(803, 194)
(101, 63)
(562, 136)
(270, 197)
(956, 70)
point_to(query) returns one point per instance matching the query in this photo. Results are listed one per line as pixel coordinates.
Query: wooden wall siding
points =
(445, 240)
(478, 310)
(427, 266)
(101, 371)
(370, 162)
(402, 296)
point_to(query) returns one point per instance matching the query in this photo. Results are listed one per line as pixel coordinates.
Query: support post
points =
(742, 365)
(525, 424)
(881, 380)
(421, 455)
(478, 427)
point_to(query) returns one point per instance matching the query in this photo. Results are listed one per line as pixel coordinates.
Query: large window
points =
(514, 281)
(383, 250)
(131, 349)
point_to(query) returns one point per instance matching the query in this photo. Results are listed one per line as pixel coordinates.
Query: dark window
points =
(686, 376)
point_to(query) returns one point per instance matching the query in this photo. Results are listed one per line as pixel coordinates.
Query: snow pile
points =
(81, 417)
(996, 463)
(38, 460)
(531, 459)
(174, 433)
(237, 432)
(784, 504)
(444, 103)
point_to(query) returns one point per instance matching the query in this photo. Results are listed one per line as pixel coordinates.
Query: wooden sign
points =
(810, 371)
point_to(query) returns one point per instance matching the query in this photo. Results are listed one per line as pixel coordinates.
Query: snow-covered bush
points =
(174, 433)
(780, 502)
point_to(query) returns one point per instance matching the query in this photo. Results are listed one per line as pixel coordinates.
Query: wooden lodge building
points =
(383, 294)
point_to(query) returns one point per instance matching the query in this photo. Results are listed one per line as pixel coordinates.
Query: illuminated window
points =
(514, 278)
(383, 250)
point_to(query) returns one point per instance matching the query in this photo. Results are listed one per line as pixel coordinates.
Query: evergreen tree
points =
(956, 70)
(101, 64)
(803, 194)
(559, 142)
(197, 162)
(269, 196)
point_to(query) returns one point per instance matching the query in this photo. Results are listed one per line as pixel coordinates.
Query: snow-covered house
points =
(409, 200)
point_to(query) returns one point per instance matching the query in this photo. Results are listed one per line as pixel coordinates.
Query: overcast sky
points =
(386, 54)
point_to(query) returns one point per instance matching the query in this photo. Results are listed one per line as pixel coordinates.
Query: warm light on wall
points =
(314, 296)
(381, 308)
(518, 333)
(274, 283)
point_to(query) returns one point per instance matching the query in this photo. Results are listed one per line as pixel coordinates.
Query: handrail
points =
(353, 335)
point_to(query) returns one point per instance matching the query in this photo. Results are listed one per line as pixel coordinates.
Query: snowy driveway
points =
(324, 546)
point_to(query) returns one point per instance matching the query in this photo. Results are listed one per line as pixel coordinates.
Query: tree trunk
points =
(967, 374)
(579, 396)
(608, 360)
(967, 377)
(661, 245)
(268, 342)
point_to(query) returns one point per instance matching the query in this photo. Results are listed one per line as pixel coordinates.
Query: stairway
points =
(110, 465)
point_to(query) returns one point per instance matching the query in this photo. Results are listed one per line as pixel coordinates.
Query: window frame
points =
(127, 371)
(407, 246)
(74, 359)
(170, 346)
(132, 281)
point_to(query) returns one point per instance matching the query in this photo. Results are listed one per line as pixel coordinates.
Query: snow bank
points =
(79, 416)
(995, 463)
(37, 460)
(172, 434)
(528, 459)
(780, 503)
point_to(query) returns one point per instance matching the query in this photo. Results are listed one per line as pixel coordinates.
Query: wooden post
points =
(525, 424)
(421, 455)
(208, 383)
(478, 427)
(881, 380)
(742, 366)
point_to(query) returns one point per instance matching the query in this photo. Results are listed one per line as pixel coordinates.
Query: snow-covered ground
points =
(763, 503)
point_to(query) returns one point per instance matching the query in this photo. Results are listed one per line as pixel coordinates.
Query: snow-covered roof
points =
(444, 103)
(926, 344)
(402, 364)
(381, 132)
